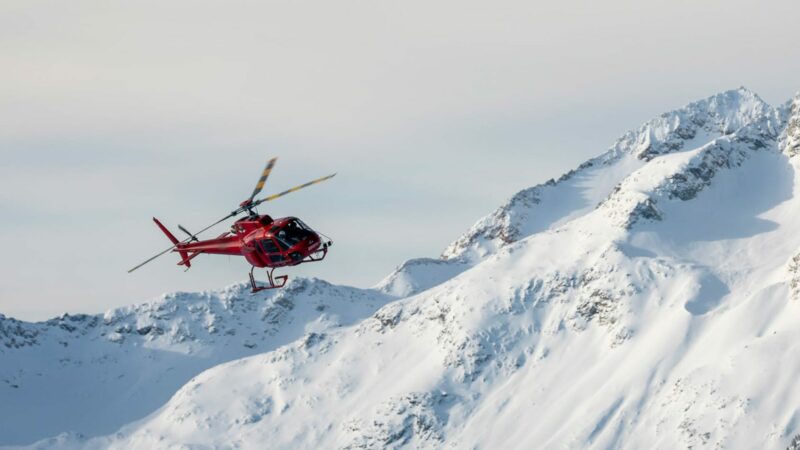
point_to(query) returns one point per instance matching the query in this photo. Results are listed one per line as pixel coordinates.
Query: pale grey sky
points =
(432, 112)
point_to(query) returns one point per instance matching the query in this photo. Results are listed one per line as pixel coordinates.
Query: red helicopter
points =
(262, 240)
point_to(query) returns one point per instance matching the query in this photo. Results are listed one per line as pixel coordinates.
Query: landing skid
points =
(272, 285)
(281, 280)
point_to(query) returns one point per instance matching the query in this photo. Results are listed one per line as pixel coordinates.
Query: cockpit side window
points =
(272, 250)
(282, 238)
(269, 246)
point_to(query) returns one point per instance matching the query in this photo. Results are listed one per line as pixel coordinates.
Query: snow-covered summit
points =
(557, 201)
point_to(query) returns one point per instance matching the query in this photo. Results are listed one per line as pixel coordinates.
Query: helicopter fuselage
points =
(263, 242)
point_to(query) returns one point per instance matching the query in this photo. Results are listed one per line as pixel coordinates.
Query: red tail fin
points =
(184, 255)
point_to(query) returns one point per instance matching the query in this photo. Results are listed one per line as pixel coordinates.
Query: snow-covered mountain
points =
(648, 299)
(96, 373)
(579, 191)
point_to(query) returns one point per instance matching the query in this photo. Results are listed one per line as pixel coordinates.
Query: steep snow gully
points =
(650, 298)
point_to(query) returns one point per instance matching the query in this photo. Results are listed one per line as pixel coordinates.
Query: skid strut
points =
(272, 285)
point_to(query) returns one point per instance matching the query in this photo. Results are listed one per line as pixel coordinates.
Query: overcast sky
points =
(432, 113)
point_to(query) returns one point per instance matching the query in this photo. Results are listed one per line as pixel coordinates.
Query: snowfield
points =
(648, 299)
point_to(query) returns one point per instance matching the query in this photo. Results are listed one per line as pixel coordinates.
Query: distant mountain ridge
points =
(120, 365)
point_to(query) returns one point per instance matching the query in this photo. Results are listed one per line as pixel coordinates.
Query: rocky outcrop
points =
(17, 334)
(720, 115)
(637, 198)
(791, 141)
(794, 277)
(795, 444)
(412, 420)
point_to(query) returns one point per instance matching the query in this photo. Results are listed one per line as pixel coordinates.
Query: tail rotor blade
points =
(296, 188)
(263, 179)
(191, 236)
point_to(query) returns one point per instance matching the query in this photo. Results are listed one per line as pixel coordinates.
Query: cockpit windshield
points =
(293, 232)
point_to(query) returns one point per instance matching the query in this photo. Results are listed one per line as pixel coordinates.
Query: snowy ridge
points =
(420, 274)
(666, 317)
(541, 207)
(123, 364)
(16, 334)
(683, 175)
(578, 191)
(720, 114)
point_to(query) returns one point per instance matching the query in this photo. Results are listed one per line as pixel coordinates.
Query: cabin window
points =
(280, 238)
(272, 250)
(269, 246)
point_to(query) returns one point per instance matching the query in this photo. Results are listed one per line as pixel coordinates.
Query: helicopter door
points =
(272, 251)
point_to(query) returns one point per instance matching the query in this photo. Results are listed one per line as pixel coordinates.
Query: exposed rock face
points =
(795, 444)
(719, 115)
(794, 277)
(499, 228)
(791, 143)
(16, 334)
(411, 420)
(636, 199)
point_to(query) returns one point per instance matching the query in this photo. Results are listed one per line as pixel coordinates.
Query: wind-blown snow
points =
(648, 299)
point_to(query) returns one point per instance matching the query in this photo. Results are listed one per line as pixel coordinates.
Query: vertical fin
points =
(171, 237)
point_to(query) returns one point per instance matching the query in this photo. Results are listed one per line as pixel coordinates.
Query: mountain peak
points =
(719, 114)
(555, 202)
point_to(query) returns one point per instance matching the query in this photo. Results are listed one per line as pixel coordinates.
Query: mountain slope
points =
(93, 374)
(657, 308)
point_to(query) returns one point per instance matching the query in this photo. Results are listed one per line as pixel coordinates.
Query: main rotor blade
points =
(154, 257)
(296, 188)
(188, 239)
(263, 179)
